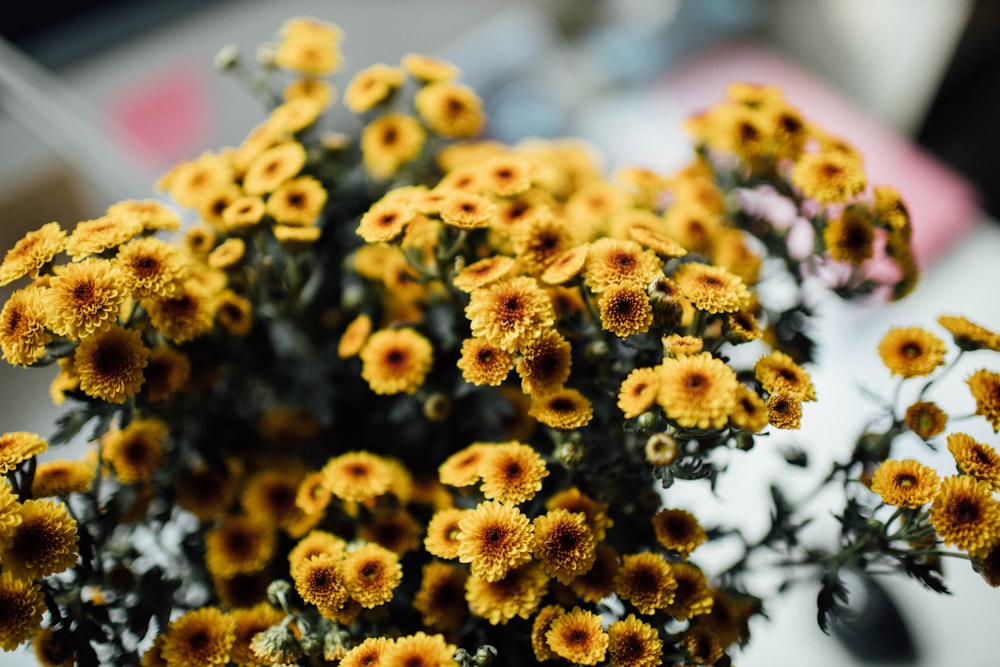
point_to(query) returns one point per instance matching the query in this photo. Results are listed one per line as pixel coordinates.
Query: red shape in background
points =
(165, 117)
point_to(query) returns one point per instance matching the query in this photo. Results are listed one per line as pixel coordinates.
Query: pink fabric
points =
(942, 204)
(166, 116)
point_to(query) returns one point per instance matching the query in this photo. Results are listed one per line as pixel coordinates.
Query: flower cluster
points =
(398, 395)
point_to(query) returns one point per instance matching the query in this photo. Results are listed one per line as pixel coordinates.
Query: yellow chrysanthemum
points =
(784, 410)
(749, 410)
(92, 237)
(298, 202)
(625, 310)
(150, 213)
(151, 267)
(273, 167)
(23, 337)
(494, 538)
(545, 364)
(428, 68)
(136, 451)
(633, 643)
(830, 177)
(646, 581)
(616, 262)
(385, 220)
(371, 575)
(678, 530)
(371, 86)
(354, 337)
(638, 391)
(711, 288)
(985, 388)
(202, 636)
(234, 313)
(849, 238)
(389, 142)
(18, 446)
(697, 390)
(966, 515)
(166, 372)
(85, 297)
(778, 372)
(565, 409)
(319, 580)
(396, 361)
(248, 621)
(184, 316)
(369, 653)
(517, 594)
(53, 649)
(309, 88)
(110, 364)
(32, 252)
(44, 542)
(512, 472)
(911, 351)
(484, 364)
(420, 650)
(483, 272)
(925, 419)
(315, 542)
(269, 494)
(60, 477)
(357, 476)
(976, 459)
(239, 545)
(693, 225)
(564, 544)
(693, 596)
(510, 313)
(315, 52)
(969, 335)
(441, 597)
(578, 636)
(906, 483)
(450, 109)
(21, 606)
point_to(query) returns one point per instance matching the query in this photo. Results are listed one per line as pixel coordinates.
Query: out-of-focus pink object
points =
(943, 205)
(165, 117)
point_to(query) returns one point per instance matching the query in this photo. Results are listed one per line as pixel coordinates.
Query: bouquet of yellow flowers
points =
(404, 397)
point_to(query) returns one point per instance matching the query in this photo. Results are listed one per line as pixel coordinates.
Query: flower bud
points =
(661, 449)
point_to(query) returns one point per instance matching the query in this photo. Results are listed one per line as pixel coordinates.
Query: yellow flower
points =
(21, 606)
(234, 312)
(749, 411)
(441, 597)
(450, 109)
(243, 213)
(110, 364)
(191, 182)
(316, 542)
(294, 115)
(539, 241)
(369, 653)
(483, 272)
(309, 46)
(354, 337)
(599, 581)
(206, 491)
(371, 575)
(32, 252)
(136, 451)
(269, 494)
(545, 364)
(151, 267)
(296, 237)
(784, 410)
(357, 476)
(678, 530)
(697, 391)
(44, 543)
(202, 636)
(484, 364)
(540, 627)
(10, 512)
(510, 313)
(625, 310)
(248, 621)
(965, 514)
(564, 544)
(495, 538)
(615, 262)
(925, 419)
(273, 167)
(428, 68)
(442, 533)
(711, 288)
(389, 142)
(578, 636)
(830, 177)
(633, 643)
(385, 220)
(166, 372)
(371, 86)
(397, 531)
(565, 409)
(61, 477)
(22, 327)
(703, 646)
(297, 202)
(92, 237)
(969, 335)
(638, 391)
(85, 297)
(517, 594)
(566, 265)
(512, 472)
(319, 580)
(466, 210)
(976, 459)
(911, 351)
(778, 372)
(507, 175)
(314, 90)
(18, 446)
(985, 388)
(396, 361)
(849, 237)
(53, 649)
(184, 316)
(646, 581)
(693, 596)
(419, 650)
(238, 545)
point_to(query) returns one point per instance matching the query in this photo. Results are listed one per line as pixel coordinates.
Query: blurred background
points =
(100, 97)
